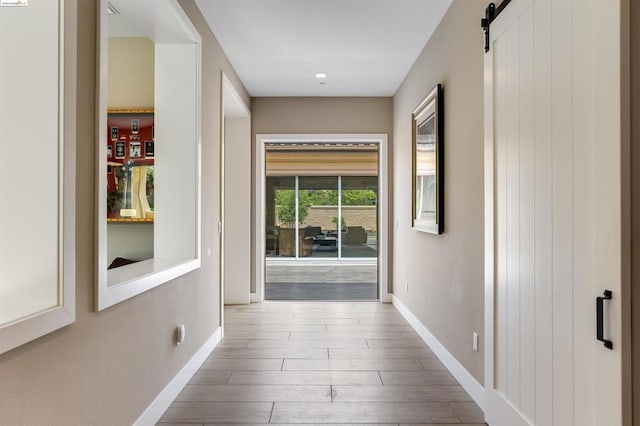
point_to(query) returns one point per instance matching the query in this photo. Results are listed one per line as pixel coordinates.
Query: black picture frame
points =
(427, 122)
(149, 147)
(120, 150)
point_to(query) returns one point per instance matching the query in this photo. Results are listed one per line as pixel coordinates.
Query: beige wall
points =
(445, 272)
(129, 240)
(319, 115)
(237, 218)
(107, 367)
(131, 72)
(635, 204)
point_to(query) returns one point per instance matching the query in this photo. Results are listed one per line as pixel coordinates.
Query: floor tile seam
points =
(455, 413)
(293, 372)
(272, 385)
(370, 403)
(275, 357)
(365, 401)
(257, 401)
(348, 371)
(333, 371)
(273, 404)
(391, 387)
(326, 399)
(325, 383)
(327, 403)
(372, 358)
(248, 370)
(407, 386)
(383, 360)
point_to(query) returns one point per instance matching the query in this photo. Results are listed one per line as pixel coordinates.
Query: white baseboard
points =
(255, 298)
(468, 382)
(156, 409)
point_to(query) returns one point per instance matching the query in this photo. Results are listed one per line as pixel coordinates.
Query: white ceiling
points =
(365, 46)
(155, 19)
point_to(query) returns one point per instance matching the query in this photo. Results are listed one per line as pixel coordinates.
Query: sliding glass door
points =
(280, 216)
(322, 217)
(318, 216)
(359, 208)
(321, 221)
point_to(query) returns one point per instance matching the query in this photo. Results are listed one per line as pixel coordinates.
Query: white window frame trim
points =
(24, 330)
(382, 140)
(146, 275)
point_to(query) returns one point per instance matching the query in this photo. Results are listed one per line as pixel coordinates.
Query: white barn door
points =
(553, 213)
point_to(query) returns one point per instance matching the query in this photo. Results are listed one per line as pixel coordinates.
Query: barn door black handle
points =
(600, 319)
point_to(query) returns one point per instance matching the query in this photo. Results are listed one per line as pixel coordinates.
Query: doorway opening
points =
(235, 198)
(321, 220)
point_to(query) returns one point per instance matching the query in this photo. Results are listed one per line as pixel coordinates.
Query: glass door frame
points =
(339, 222)
(258, 285)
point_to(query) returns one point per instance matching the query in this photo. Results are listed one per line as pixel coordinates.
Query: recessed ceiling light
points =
(321, 75)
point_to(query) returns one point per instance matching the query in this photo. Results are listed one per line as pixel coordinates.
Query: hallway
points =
(321, 363)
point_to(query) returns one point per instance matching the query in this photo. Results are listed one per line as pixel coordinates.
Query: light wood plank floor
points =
(321, 363)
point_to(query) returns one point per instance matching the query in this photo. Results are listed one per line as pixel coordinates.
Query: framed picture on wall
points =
(130, 160)
(427, 121)
(134, 150)
(148, 149)
(114, 133)
(109, 151)
(120, 149)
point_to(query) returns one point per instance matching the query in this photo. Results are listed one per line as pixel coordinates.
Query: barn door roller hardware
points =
(490, 15)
